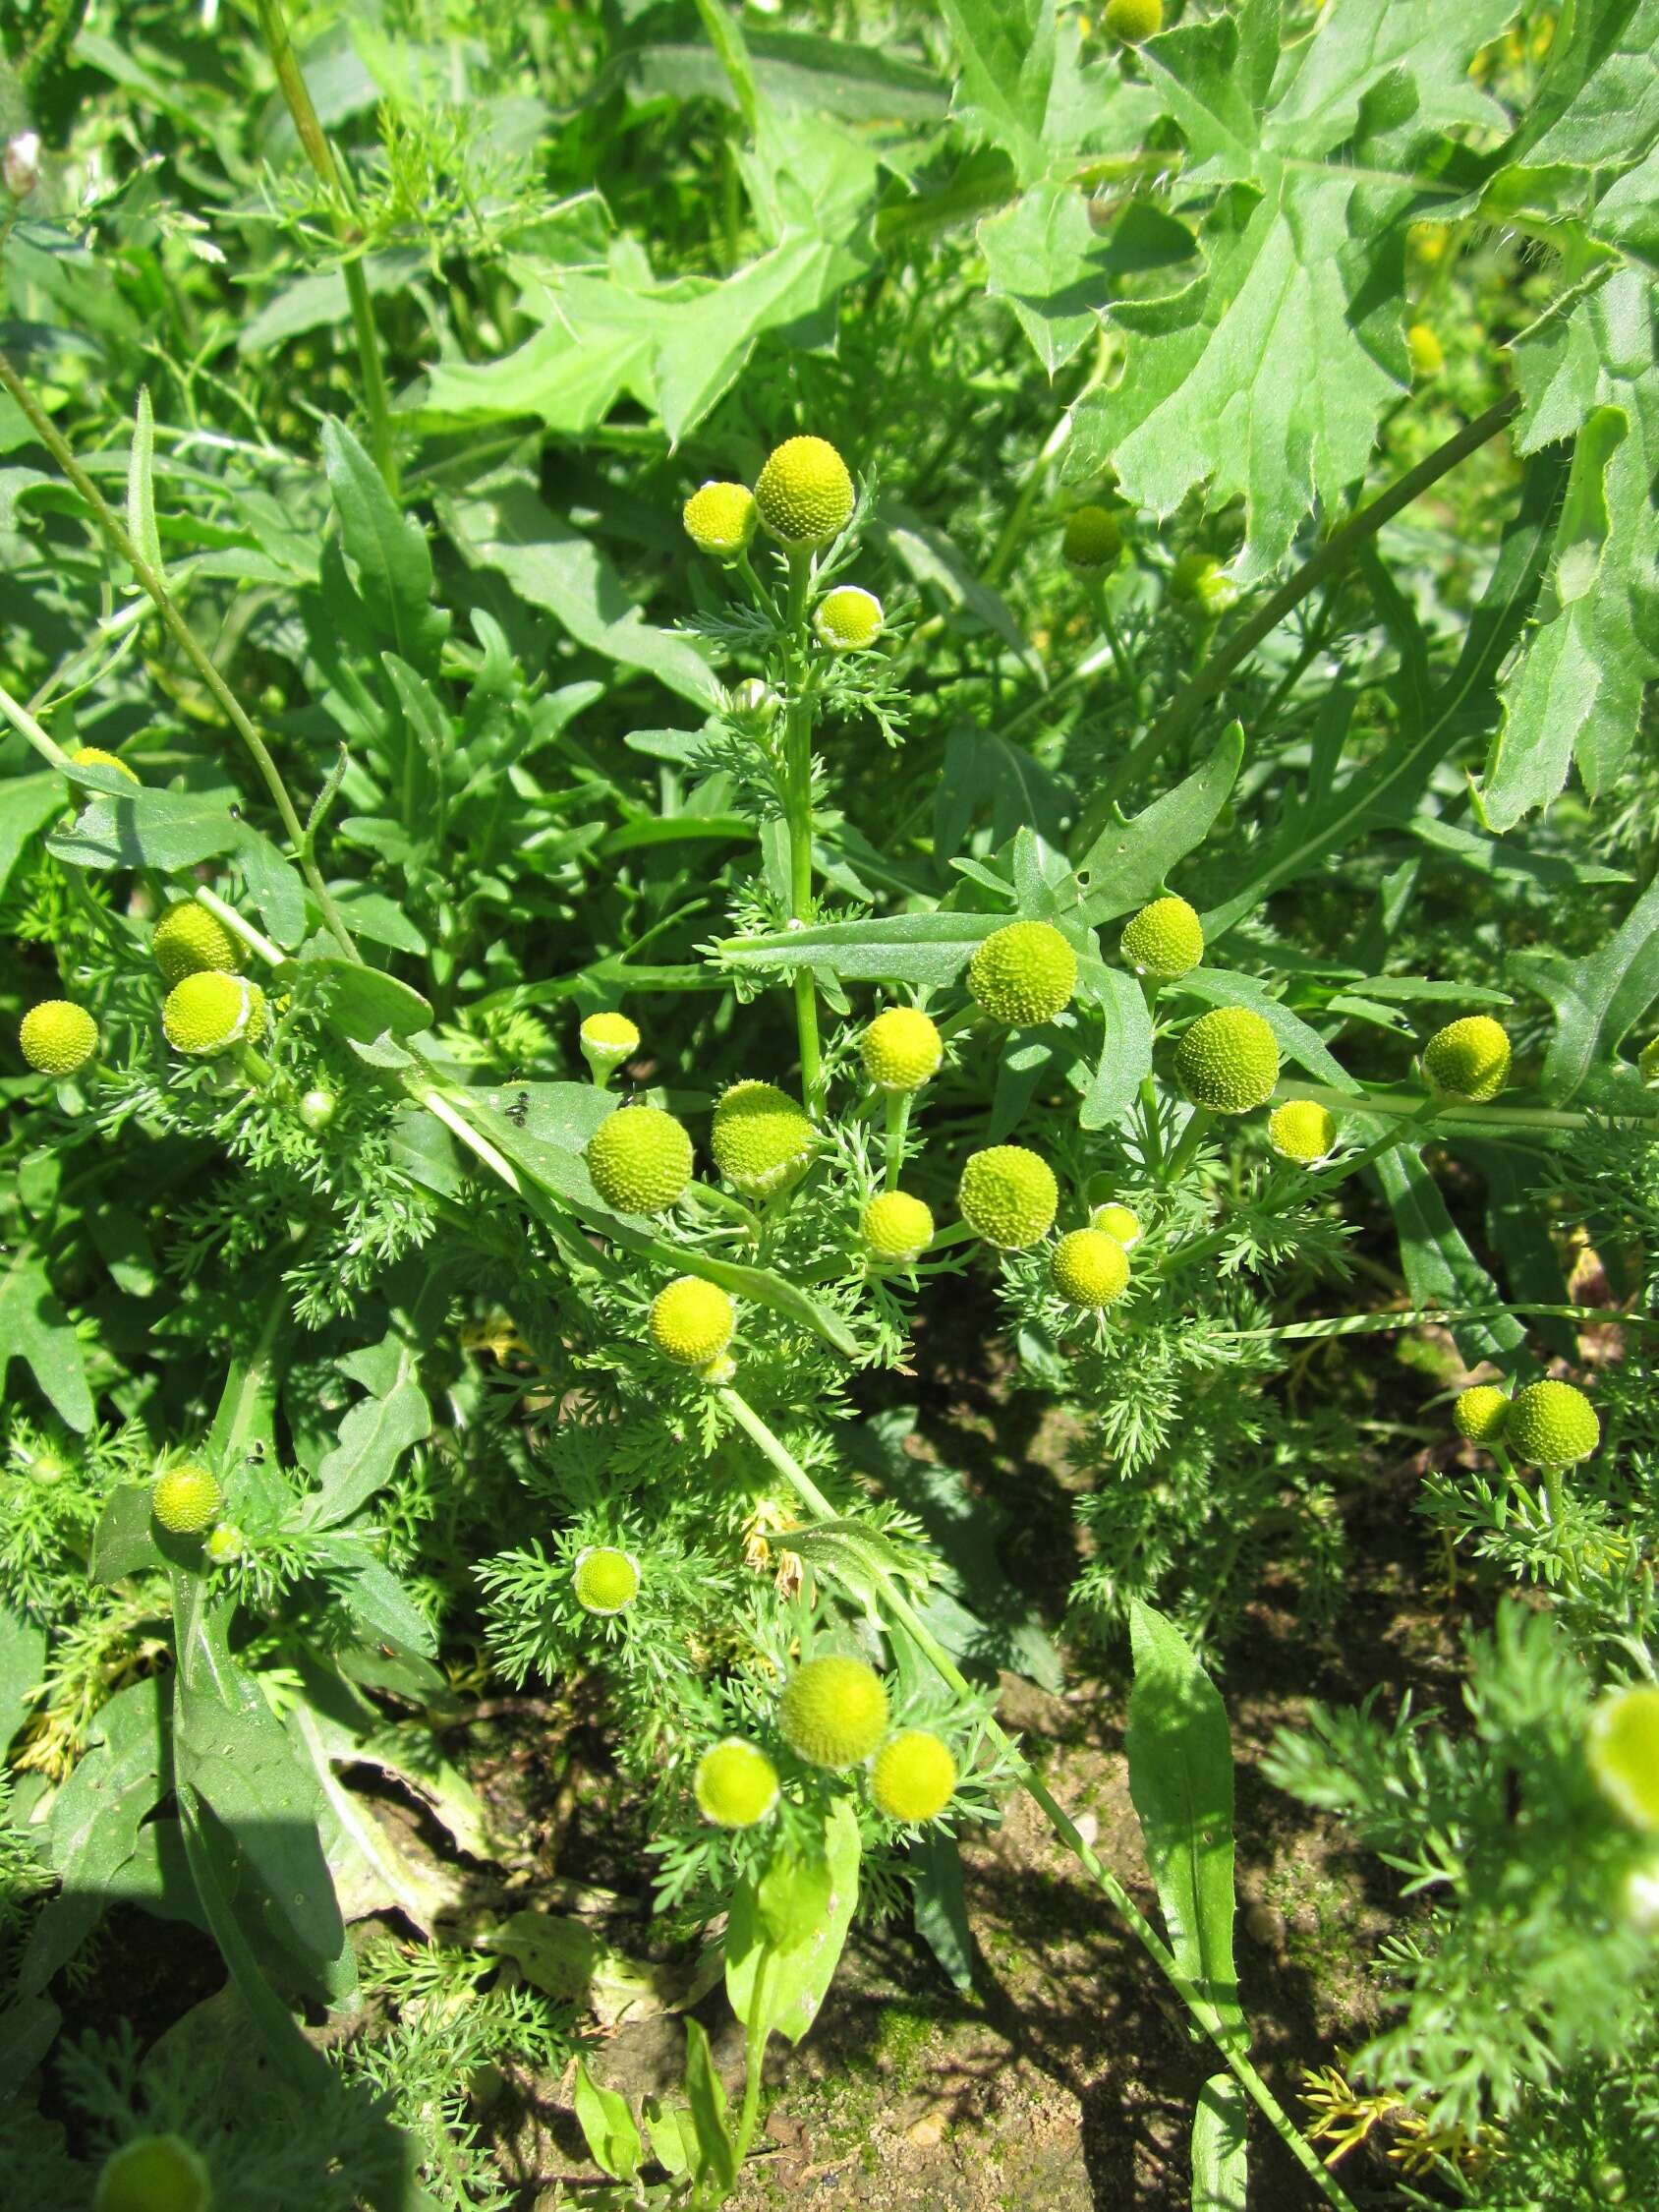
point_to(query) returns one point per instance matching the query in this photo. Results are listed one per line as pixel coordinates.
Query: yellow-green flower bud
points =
(1119, 1222)
(186, 1499)
(1552, 1424)
(718, 1371)
(1468, 1059)
(755, 701)
(762, 1141)
(1227, 1061)
(691, 1321)
(1482, 1413)
(317, 1110)
(1424, 348)
(58, 1037)
(211, 1012)
(848, 620)
(804, 493)
(606, 1040)
(1129, 22)
(94, 756)
(189, 941)
(901, 1049)
(735, 1784)
(606, 1580)
(914, 1777)
(896, 1229)
(1163, 940)
(1199, 581)
(1093, 538)
(1009, 1196)
(1089, 1268)
(640, 1160)
(833, 1711)
(226, 1545)
(719, 519)
(1301, 1131)
(1023, 974)
(153, 2174)
(1622, 1748)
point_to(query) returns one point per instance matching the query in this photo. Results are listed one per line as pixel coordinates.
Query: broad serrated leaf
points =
(1439, 1267)
(611, 2131)
(1220, 2149)
(148, 828)
(124, 1540)
(386, 550)
(1597, 1001)
(1129, 862)
(373, 1436)
(35, 1329)
(1006, 51)
(799, 1941)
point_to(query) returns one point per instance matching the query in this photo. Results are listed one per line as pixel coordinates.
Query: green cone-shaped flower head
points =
(1302, 1131)
(186, 1499)
(94, 756)
(692, 1321)
(833, 1711)
(1428, 357)
(719, 519)
(606, 1040)
(1089, 1268)
(58, 1037)
(1163, 940)
(1128, 22)
(605, 1580)
(896, 1229)
(848, 620)
(804, 492)
(1468, 1059)
(1008, 1196)
(1023, 974)
(914, 1777)
(1227, 1061)
(1200, 582)
(1552, 1424)
(189, 941)
(640, 1160)
(1093, 538)
(211, 1012)
(1119, 1222)
(153, 2174)
(735, 1784)
(761, 1139)
(1482, 1413)
(901, 1049)
(1624, 1753)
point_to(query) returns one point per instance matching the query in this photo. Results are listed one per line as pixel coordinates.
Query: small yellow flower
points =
(848, 620)
(804, 493)
(914, 1777)
(94, 756)
(1089, 1268)
(901, 1049)
(691, 1321)
(58, 1037)
(896, 1229)
(719, 519)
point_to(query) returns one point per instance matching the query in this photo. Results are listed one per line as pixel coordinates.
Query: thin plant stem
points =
(26, 728)
(1408, 1105)
(1188, 1141)
(53, 439)
(898, 1105)
(1203, 2011)
(797, 776)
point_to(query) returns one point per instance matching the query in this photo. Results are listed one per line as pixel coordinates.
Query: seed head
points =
(1093, 538)
(153, 2174)
(1622, 1748)
(606, 1040)
(1164, 940)
(896, 1229)
(833, 1711)
(210, 1011)
(186, 1499)
(58, 1037)
(1227, 1061)
(605, 1580)
(848, 620)
(1009, 1196)
(1089, 1268)
(1129, 22)
(1482, 1413)
(640, 1160)
(1468, 1059)
(804, 493)
(1023, 974)
(914, 1777)
(1301, 1131)
(1552, 1424)
(1200, 582)
(189, 941)
(761, 1139)
(720, 520)
(691, 1321)
(735, 1784)
(901, 1049)
(1424, 348)
(94, 756)
(1117, 1222)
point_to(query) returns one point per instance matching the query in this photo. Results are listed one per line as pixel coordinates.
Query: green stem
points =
(274, 955)
(1223, 2037)
(754, 2058)
(1408, 1105)
(25, 725)
(797, 774)
(47, 432)
(898, 1105)
(1197, 1121)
